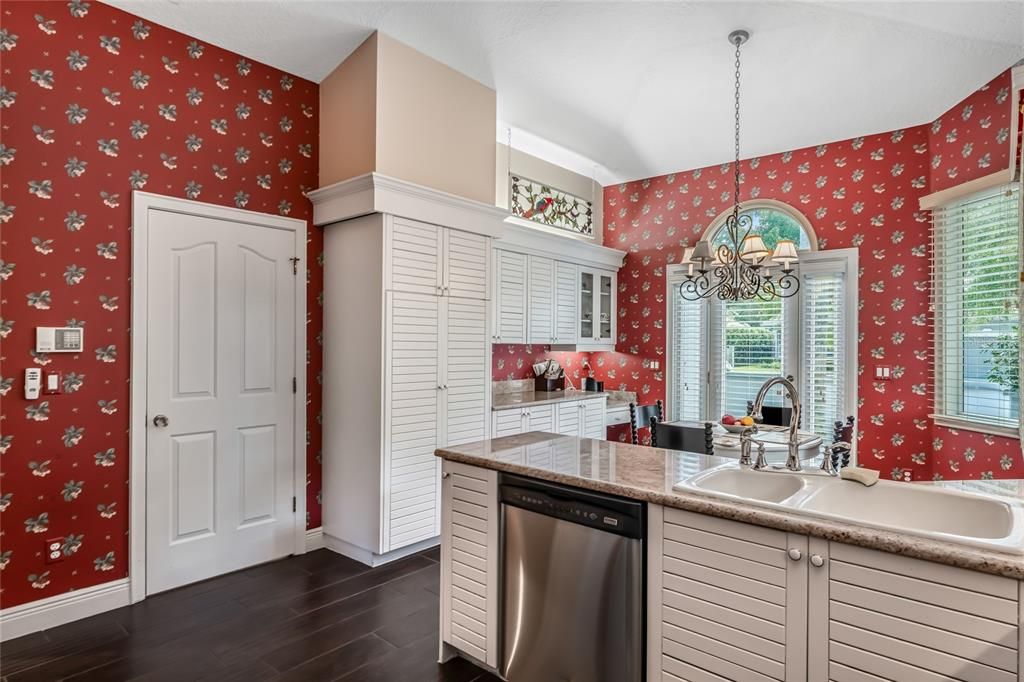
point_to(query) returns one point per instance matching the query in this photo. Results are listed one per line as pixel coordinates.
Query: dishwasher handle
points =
(602, 512)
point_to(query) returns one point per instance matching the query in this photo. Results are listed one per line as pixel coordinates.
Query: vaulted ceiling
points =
(636, 89)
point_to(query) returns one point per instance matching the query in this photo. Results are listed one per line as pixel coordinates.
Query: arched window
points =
(721, 352)
(773, 220)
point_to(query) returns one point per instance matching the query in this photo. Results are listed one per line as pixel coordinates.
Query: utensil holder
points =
(545, 385)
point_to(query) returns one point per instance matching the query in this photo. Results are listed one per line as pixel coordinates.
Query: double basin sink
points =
(925, 511)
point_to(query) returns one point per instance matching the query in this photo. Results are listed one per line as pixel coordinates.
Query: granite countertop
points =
(502, 401)
(649, 474)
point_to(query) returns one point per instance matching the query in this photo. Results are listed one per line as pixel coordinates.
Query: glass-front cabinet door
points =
(605, 309)
(596, 308)
(586, 306)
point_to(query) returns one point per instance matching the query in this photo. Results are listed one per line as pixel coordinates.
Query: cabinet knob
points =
(446, 474)
(795, 554)
(817, 561)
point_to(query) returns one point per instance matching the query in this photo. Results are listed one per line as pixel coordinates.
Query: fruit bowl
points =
(735, 428)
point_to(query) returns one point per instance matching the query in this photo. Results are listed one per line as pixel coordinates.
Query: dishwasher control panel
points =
(602, 512)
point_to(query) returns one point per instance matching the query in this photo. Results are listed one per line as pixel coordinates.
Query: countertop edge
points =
(572, 396)
(893, 542)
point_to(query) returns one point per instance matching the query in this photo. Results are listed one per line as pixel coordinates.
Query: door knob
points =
(161, 420)
(817, 561)
(795, 554)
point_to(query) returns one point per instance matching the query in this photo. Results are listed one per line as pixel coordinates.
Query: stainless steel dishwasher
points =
(572, 584)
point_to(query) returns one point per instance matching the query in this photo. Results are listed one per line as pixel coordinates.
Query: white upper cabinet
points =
(597, 309)
(465, 264)
(541, 303)
(566, 296)
(510, 297)
(415, 257)
(439, 261)
(554, 290)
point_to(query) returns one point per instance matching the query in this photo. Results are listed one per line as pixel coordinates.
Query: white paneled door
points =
(220, 411)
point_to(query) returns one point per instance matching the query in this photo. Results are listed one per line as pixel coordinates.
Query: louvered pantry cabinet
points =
(406, 370)
(730, 601)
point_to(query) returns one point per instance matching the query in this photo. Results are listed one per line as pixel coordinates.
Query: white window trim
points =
(959, 194)
(849, 258)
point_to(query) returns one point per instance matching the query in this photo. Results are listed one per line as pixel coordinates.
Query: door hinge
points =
(295, 385)
(295, 265)
(295, 505)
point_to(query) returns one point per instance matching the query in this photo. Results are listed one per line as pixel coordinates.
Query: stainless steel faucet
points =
(793, 458)
(746, 440)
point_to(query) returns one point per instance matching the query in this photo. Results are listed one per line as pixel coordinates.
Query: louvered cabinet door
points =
(568, 419)
(877, 616)
(729, 602)
(412, 377)
(415, 257)
(469, 561)
(510, 297)
(465, 264)
(508, 422)
(541, 300)
(565, 302)
(593, 418)
(466, 355)
(540, 418)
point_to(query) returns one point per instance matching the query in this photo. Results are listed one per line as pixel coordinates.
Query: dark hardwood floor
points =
(318, 616)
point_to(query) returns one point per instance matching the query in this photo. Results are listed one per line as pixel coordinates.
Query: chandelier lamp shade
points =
(743, 267)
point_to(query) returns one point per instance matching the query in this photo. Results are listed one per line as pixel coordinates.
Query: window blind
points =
(747, 348)
(689, 325)
(823, 351)
(975, 301)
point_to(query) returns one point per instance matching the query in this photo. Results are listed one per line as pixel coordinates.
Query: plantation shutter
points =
(976, 301)
(823, 353)
(687, 385)
(747, 348)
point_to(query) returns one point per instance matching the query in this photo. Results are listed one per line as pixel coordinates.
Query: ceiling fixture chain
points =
(739, 269)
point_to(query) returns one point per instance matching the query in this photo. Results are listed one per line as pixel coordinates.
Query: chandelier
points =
(741, 269)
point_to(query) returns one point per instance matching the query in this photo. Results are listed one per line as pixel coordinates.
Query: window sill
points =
(981, 427)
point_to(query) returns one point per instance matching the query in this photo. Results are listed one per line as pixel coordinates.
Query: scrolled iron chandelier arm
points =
(740, 267)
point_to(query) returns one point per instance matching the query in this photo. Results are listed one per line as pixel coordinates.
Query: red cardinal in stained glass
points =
(539, 207)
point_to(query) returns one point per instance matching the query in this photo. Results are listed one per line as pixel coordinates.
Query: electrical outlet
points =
(53, 550)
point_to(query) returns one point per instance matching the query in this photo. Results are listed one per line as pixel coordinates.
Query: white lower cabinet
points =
(582, 418)
(469, 561)
(879, 616)
(738, 602)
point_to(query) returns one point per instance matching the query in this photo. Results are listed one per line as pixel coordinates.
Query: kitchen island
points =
(741, 589)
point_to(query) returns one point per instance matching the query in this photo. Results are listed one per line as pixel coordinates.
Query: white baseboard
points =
(59, 609)
(365, 556)
(314, 539)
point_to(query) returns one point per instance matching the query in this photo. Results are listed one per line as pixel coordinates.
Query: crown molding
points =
(522, 236)
(377, 193)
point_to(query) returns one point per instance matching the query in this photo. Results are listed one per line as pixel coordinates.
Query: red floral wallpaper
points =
(972, 139)
(97, 102)
(862, 192)
(515, 361)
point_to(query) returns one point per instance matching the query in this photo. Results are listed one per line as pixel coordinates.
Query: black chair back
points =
(842, 433)
(641, 415)
(772, 415)
(696, 438)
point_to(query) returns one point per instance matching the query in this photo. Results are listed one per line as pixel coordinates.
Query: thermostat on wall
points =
(59, 339)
